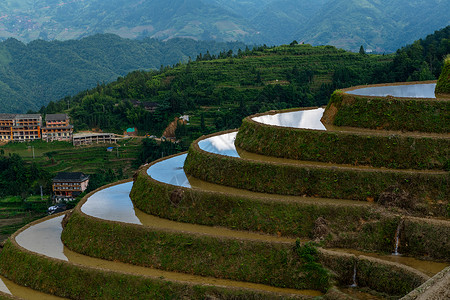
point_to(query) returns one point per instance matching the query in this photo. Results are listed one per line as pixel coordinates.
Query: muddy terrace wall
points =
(267, 215)
(388, 113)
(389, 151)
(363, 227)
(318, 181)
(70, 280)
(283, 260)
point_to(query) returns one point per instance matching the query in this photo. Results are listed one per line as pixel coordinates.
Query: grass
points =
(62, 156)
(15, 213)
(421, 115)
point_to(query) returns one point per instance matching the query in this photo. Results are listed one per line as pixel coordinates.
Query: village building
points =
(57, 128)
(6, 124)
(89, 138)
(20, 127)
(148, 106)
(68, 185)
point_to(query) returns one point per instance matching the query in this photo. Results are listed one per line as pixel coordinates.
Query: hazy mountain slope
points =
(381, 25)
(52, 19)
(279, 21)
(33, 74)
(245, 8)
(376, 24)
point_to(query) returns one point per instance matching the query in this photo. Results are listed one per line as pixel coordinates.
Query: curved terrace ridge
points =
(237, 221)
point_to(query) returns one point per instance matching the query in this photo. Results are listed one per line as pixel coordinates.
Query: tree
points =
(361, 50)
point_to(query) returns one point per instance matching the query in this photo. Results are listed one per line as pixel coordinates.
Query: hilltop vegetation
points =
(220, 90)
(33, 74)
(217, 91)
(381, 25)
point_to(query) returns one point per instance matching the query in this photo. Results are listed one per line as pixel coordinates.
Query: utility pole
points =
(32, 147)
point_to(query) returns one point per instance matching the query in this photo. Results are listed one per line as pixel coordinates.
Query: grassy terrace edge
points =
(443, 83)
(388, 113)
(319, 181)
(393, 151)
(362, 227)
(130, 243)
(44, 274)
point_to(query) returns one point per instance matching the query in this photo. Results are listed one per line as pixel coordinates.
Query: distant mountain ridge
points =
(380, 25)
(33, 74)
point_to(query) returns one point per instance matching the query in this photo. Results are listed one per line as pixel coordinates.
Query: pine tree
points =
(361, 50)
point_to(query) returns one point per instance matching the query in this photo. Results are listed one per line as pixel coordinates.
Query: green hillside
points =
(33, 74)
(217, 92)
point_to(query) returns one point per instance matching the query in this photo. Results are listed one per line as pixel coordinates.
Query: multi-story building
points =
(6, 124)
(57, 128)
(17, 127)
(68, 185)
(93, 137)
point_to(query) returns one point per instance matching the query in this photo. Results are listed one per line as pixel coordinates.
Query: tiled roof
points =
(69, 176)
(7, 116)
(56, 117)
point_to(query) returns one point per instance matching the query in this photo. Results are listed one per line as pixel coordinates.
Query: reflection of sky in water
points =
(412, 90)
(170, 171)
(4, 288)
(44, 238)
(220, 144)
(113, 204)
(306, 119)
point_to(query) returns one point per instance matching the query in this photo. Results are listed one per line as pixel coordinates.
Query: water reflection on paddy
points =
(112, 203)
(170, 171)
(409, 90)
(305, 119)
(44, 238)
(50, 231)
(220, 144)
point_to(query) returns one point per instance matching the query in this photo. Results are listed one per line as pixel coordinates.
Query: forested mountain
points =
(380, 25)
(218, 91)
(33, 74)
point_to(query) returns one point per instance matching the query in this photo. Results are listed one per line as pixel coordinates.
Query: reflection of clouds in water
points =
(412, 90)
(113, 204)
(4, 288)
(44, 238)
(221, 144)
(170, 171)
(306, 119)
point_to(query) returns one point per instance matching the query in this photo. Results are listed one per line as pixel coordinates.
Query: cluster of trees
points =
(218, 91)
(33, 73)
(422, 60)
(19, 178)
(251, 81)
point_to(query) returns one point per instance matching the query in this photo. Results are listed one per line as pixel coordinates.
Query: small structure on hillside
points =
(68, 185)
(57, 128)
(88, 138)
(148, 106)
(132, 131)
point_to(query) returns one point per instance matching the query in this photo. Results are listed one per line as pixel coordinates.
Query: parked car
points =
(60, 207)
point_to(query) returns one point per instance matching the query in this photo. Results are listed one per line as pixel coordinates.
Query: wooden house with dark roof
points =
(68, 185)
